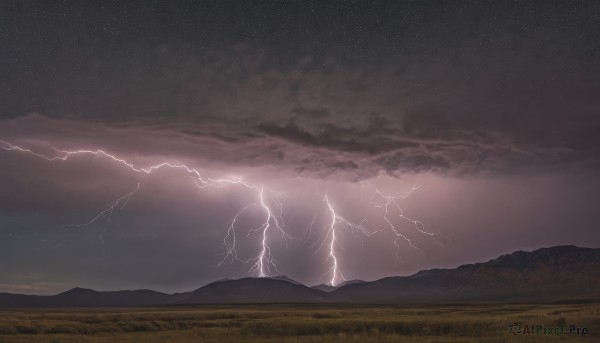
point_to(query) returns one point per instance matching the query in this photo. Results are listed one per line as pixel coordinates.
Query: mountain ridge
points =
(558, 272)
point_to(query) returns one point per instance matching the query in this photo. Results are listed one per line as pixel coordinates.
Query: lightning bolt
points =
(121, 202)
(264, 262)
(391, 201)
(308, 231)
(332, 230)
(230, 242)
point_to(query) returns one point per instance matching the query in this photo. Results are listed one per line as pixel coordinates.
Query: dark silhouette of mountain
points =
(329, 288)
(548, 274)
(256, 290)
(350, 282)
(325, 288)
(81, 297)
(285, 278)
(89, 297)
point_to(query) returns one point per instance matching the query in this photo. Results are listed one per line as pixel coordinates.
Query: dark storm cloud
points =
(455, 87)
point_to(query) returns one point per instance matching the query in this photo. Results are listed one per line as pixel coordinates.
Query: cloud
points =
(352, 98)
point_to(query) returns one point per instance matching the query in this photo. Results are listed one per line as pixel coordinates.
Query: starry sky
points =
(490, 107)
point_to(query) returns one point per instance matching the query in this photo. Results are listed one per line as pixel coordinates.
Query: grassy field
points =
(299, 323)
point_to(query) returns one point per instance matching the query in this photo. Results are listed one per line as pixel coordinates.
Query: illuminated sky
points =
(491, 108)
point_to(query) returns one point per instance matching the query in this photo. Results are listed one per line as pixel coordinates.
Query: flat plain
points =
(301, 323)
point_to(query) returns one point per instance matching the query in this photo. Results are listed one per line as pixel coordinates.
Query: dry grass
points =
(296, 323)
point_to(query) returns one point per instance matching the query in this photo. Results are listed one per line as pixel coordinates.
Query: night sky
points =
(492, 108)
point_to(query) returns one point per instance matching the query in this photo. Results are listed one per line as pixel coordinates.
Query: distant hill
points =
(548, 274)
(285, 278)
(81, 297)
(329, 288)
(253, 290)
(350, 282)
(325, 288)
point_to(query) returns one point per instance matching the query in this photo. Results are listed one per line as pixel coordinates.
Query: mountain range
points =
(547, 274)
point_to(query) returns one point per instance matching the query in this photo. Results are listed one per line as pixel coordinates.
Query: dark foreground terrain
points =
(304, 323)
